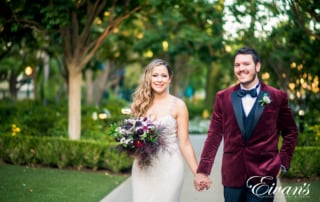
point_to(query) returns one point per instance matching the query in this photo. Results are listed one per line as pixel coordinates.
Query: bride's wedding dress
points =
(163, 180)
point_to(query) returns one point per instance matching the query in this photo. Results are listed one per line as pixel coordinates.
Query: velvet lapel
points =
(237, 108)
(259, 107)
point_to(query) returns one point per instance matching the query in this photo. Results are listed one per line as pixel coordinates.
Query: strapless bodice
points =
(168, 125)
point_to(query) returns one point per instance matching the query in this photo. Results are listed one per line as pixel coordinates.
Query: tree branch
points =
(92, 12)
(66, 45)
(94, 46)
(302, 22)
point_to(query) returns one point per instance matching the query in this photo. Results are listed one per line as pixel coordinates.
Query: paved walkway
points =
(123, 192)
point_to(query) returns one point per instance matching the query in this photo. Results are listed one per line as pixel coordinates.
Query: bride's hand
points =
(201, 182)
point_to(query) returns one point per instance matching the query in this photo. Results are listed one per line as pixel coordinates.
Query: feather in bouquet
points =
(139, 137)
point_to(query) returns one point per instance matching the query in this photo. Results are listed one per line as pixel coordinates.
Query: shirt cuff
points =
(283, 168)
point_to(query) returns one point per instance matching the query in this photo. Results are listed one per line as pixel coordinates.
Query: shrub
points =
(39, 135)
(32, 118)
(62, 153)
(310, 136)
(305, 162)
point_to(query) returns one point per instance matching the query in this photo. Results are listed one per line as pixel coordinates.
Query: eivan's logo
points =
(265, 186)
(261, 186)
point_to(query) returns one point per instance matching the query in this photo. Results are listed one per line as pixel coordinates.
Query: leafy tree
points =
(307, 15)
(70, 24)
(18, 42)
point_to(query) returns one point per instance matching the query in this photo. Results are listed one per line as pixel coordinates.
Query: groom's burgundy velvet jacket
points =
(259, 154)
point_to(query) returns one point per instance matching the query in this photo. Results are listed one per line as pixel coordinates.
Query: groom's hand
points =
(201, 182)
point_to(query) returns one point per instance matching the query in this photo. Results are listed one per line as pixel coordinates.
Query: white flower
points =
(265, 100)
(125, 141)
(122, 140)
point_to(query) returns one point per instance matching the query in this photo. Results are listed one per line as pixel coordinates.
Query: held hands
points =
(201, 182)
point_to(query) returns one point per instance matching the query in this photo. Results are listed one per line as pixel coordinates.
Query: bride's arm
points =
(185, 145)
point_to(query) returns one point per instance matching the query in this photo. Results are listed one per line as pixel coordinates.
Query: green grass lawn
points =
(21, 183)
(302, 190)
(25, 184)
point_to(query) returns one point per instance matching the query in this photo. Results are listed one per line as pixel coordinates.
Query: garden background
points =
(68, 68)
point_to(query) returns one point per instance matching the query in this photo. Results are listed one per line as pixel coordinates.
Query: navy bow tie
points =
(252, 92)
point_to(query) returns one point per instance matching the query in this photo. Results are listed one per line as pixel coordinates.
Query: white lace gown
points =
(163, 180)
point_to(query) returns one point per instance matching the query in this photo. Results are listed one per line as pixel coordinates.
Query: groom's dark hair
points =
(248, 51)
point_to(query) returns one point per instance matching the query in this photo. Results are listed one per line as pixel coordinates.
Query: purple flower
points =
(139, 137)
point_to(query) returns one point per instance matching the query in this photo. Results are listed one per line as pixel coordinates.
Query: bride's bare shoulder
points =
(178, 102)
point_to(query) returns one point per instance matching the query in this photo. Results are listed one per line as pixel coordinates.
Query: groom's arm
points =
(213, 139)
(289, 131)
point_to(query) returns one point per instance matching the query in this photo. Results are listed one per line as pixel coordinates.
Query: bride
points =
(162, 181)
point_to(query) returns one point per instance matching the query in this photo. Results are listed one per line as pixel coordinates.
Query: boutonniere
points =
(265, 100)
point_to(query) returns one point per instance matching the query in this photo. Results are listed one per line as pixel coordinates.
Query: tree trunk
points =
(12, 85)
(74, 104)
(209, 96)
(101, 82)
(34, 84)
(46, 73)
(89, 87)
(214, 77)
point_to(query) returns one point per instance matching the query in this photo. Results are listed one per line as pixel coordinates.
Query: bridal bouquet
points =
(139, 137)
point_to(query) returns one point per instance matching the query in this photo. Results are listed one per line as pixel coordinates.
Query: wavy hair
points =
(143, 95)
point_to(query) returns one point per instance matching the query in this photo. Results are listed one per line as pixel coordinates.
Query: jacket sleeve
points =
(288, 130)
(213, 139)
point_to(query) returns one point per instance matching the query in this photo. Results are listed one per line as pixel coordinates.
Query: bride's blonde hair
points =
(143, 95)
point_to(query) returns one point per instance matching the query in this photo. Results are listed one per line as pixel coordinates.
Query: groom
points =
(249, 117)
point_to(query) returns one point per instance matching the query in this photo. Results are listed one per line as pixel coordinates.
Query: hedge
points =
(305, 162)
(62, 153)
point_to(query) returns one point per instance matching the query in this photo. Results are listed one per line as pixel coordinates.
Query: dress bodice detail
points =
(168, 125)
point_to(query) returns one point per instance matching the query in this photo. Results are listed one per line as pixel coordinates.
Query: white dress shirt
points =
(247, 100)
